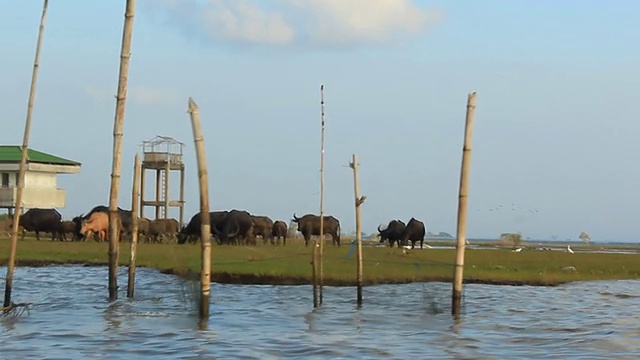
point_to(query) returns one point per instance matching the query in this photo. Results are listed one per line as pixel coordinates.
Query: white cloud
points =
(139, 94)
(97, 93)
(328, 23)
(152, 96)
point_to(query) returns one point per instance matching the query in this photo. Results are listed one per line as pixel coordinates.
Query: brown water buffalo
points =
(98, 222)
(393, 232)
(37, 220)
(414, 231)
(161, 227)
(262, 226)
(192, 229)
(125, 218)
(143, 229)
(66, 227)
(309, 225)
(279, 230)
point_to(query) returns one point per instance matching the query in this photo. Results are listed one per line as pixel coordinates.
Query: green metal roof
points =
(13, 153)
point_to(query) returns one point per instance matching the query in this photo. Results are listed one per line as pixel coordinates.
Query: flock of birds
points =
(569, 250)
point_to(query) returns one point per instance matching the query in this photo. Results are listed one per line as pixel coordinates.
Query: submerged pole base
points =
(456, 302)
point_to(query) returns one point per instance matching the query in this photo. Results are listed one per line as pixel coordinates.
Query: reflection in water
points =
(72, 318)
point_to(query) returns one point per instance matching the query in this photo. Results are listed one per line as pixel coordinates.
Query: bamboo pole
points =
(462, 205)
(23, 163)
(321, 248)
(134, 228)
(118, 125)
(359, 200)
(205, 228)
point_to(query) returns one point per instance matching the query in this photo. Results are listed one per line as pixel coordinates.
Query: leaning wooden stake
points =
(205, 228)
(118, 125)
(135, 194)
(359, 201)
(462, 205)
(23, 162)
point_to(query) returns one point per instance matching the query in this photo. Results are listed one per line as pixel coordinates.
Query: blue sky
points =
(555, 130)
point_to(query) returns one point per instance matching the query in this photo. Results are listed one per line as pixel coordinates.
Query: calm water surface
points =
(71, 319)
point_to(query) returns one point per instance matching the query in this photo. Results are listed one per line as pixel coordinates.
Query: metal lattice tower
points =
(162, 154)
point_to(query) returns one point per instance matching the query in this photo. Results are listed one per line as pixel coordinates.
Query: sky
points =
(555, 130)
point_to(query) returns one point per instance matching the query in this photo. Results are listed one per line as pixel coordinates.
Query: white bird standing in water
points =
(569, 249)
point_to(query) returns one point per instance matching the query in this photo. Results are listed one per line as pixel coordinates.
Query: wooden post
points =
(134, 228)
(23, 163)
(320, 250)
(462, 206)
(358, 202)
(114, 230)
(205, 228)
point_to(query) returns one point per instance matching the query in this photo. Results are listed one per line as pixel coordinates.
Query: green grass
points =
(267, 264)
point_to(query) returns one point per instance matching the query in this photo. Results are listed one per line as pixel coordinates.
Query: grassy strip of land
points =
(267, 264)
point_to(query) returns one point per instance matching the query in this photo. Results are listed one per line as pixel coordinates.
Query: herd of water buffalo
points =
(227, 227)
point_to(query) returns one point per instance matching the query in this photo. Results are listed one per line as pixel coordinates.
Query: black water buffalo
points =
(262, 226)
(37, 220)
(237, 227)
(309, 225)
(279, 230)
(414, 231)
(393, 232)
(192, 229)
(78, 225)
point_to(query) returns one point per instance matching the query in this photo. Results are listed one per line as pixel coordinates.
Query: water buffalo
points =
(98, 222)
(279, 230)
(45, 220)
(309, 225)
(393, 232)
(125, 218)
(414, 231)
(237, 227)
(262, 226)
(160, 227)
(192, 229)
(66, 227)
(143, 229)
(78, 225)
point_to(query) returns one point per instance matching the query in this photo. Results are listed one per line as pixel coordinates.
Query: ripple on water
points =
(71, 318)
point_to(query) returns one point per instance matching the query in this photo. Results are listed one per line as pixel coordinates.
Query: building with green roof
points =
(40, 178)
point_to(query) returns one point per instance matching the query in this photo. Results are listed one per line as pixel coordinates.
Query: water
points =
(71, 319)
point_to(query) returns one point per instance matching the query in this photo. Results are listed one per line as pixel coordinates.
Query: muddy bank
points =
(264, 279)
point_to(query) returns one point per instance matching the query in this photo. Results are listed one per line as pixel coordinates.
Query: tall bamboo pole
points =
(359, 200)
(462, 205)
(118, 125)
(23, 163)
(321, 248)
(205, 228)
(135, 193)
